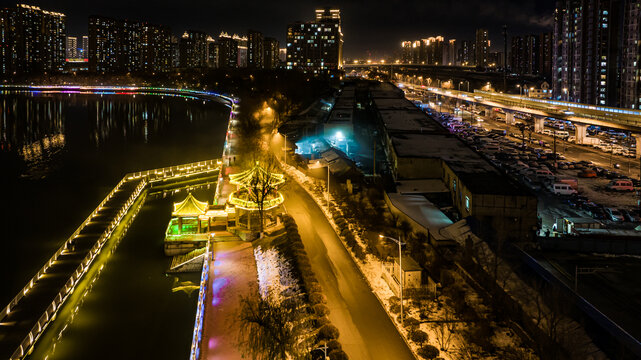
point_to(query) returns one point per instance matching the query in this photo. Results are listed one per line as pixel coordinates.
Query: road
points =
(366, 332)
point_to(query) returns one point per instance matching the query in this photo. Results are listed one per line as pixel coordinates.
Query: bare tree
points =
(270, 331)
(263, 184)
(444, 328)
(467, 351)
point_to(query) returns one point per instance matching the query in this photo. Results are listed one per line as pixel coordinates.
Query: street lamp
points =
(327, 186)
(400, 267)
(285, 149)
(324, 348)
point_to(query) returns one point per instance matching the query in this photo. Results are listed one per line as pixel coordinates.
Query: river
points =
(60, 154)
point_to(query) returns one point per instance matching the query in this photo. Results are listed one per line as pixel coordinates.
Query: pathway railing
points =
(229, 100)
(200, 309)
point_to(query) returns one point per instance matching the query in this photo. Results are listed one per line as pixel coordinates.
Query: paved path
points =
(366, 332)
(232, 274)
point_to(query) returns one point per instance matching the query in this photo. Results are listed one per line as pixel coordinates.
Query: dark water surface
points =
(59, 156)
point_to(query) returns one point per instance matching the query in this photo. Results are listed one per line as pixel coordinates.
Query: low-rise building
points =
(418, 147)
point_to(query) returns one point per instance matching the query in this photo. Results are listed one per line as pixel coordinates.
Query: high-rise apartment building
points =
(7, 51)
(586, 51)
(433, 50)
(228, 51)
(316, 46)
(84, 50)
(450, 53)
(155, 48)
(495, 59)
(123, 46)
(213, 53)
(72, 47)
(545, 55)
(33, 40)
(242, 50)
(532, 55)
(271, 48)
(193, 50)
(482, 47)
(255, 49)
(406, 54)
(467, 53)
(174, 45)
(630, 95)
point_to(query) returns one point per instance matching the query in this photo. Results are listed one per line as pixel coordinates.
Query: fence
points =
(200, 309)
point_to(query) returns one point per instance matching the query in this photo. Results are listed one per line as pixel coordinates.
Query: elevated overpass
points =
(471, 77)
(581, 115)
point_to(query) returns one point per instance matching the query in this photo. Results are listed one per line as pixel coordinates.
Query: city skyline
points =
(395, 21)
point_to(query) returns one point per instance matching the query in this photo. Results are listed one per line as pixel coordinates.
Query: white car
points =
(562, 189)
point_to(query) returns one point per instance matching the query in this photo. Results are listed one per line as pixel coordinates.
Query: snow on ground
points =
(275, 277)
(372, 269)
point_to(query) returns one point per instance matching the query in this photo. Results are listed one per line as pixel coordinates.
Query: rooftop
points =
(473, 170)
(409, 120)
(386, 90)
(423, 212)
(394, 104)
(409, 264)
(190, 207)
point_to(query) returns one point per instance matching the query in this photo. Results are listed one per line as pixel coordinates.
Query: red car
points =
(587, 173)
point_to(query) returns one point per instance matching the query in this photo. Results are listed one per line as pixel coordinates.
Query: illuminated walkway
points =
(24, 315)
(232, 274)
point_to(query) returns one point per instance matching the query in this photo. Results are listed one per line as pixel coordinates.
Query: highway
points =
(366, 332)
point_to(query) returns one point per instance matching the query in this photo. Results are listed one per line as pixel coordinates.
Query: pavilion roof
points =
(190, 207)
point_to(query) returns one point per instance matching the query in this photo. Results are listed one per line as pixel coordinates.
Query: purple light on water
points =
(217, 263)
(216, 272)
(215, 301)
(212, 343)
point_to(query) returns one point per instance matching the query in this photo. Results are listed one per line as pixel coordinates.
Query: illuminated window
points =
(467, 203)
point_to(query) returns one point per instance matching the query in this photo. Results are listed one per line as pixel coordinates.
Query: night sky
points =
(371, 28)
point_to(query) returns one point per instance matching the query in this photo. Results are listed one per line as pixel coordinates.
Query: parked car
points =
(630, 216)
(621, 185)
(587, 173)
(544, 174)
(614, 214)
(562, 189)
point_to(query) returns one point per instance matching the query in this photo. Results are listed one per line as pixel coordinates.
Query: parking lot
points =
(575, 181)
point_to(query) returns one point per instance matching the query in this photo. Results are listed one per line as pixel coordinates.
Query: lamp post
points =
(285, 149)
(324, 348)
(327, 186)
(400, 267)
